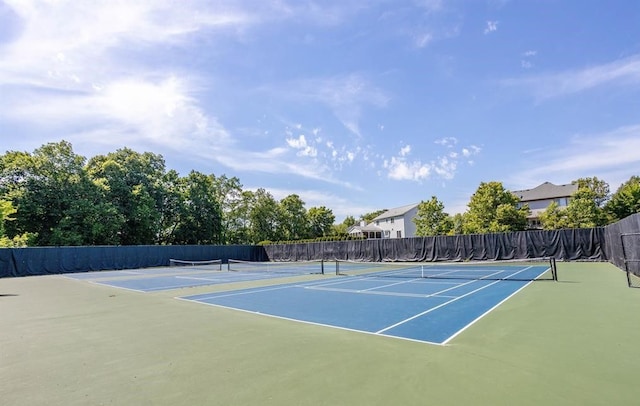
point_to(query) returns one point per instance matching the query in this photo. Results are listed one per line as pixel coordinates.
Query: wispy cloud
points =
(611, 156)
(617, 73)
(67, 44)
(80, 68)
(346, 95)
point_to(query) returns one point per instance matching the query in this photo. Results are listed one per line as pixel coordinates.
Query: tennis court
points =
(193, 274)
(71, 343)
(401, 301)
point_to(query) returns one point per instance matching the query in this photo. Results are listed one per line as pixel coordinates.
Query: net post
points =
(337, 268)
(624, 258)
(322, 266)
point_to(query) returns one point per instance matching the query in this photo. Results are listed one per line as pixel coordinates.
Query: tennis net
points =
(213, 264)
(515, 270)
(295, 267)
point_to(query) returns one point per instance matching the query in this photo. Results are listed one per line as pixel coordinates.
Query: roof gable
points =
(547, 190)
(398, 211)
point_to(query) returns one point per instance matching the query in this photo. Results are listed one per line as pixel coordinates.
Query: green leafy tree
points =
(263, 217)
(321, 221)
(6, 211)
(239, 231)
(457, 224)
(599, 189)
(230, 196)
(585, 209)
(55, 200)
(200, 214)
(342, 228)
(293, 223)
(554, 217)
(509, 218)
(494, 209)
(349, 221)
(431, 218)
(171, 207)
(625, 201)
(133, 183)
(368, 217)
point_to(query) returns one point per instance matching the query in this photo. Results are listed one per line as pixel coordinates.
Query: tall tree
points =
(6, 212)
(586, 206)
(263, 216)
(457, 224)
(293, 223)
(599, 189)
(342, 228)
(320, 221)
(171, 207)
(625, 201)
(368, 217)
(200, 214)
(583, 211)
(494, 209)
(54, 198)
(349, 221)
(431, 218)
(231, 200)
(240, 225)
(554, 217)
(133, 183)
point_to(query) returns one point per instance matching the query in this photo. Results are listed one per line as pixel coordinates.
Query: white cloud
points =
(602, 155)
(491, 27)
(470, 151)
(304, 149)
(346, 95)
(423, 39)
(622, 72)
(66, 43)
(447, 141)
(446, 167)
(400, 167)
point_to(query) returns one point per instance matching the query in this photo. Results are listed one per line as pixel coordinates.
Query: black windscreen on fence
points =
(596, 244)
(623, 247)
(55, 260)
(573, 244)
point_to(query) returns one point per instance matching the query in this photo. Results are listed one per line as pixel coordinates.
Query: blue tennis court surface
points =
(425, 310)
(154, 279)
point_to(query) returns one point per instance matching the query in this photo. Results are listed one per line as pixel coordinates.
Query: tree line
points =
(55, 197)
(493, 209)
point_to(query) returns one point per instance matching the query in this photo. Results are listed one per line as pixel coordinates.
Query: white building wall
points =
(399, 226)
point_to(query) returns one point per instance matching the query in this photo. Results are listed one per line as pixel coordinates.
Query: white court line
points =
(371, 292)
(484, 314)
(448, 302)
(307, 322)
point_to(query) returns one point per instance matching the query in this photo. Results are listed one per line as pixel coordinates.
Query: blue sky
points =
(352, 105)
